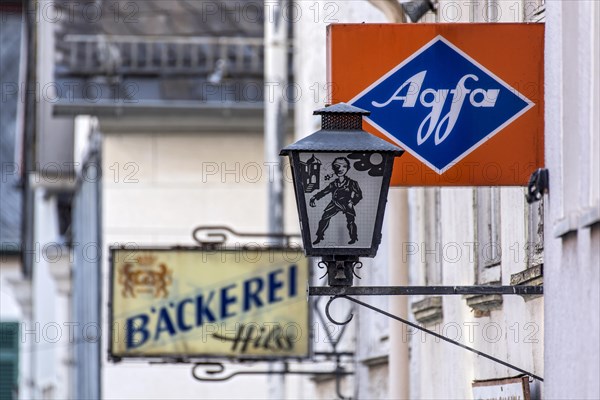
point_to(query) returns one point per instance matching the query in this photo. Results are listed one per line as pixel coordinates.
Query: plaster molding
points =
(532, 276)
(60, 270)
(21, 288)
(429, 310)
(482, 304)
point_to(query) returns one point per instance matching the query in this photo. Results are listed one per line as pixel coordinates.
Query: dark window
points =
(9, 360)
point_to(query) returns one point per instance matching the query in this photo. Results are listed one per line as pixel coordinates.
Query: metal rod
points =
(334, 354)
(275, 115)
(283, 372)
(276, 107)
(423, 290)
(479, 353)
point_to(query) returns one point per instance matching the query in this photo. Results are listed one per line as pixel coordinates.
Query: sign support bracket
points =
(423, 290)
(413, 325)
(218, 236)
(215, 371)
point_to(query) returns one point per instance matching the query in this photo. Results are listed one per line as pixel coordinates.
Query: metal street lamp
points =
(341, 179)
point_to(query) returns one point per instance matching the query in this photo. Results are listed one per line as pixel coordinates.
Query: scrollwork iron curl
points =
(322, 265)
(355, 266)
(212, 369)
(330, 318)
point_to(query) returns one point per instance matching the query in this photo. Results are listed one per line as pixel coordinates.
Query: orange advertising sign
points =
(466, 101)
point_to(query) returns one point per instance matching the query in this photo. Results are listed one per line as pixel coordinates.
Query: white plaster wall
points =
(47, 334)
(372, 329)
(44, 335)
(443, 370)
(15, 306)
(168, 184)
(178, 181)
(439, 370)
(170, 173)
(572, 273)
(10, 269)
(513, 333)
(50, 130)
(310, 56)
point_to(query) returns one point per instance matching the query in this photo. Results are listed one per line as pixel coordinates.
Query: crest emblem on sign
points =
(440, 104)
(144, 276)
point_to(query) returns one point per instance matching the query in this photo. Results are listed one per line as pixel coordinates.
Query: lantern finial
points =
(341, 116)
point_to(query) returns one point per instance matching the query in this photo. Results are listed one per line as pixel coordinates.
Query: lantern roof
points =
(341, 108)
(342, 134)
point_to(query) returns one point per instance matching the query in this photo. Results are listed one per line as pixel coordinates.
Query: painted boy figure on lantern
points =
(345, 194)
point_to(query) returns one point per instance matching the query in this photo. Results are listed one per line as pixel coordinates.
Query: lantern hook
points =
(330, 318)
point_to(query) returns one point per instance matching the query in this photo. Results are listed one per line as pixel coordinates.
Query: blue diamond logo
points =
(440, 104)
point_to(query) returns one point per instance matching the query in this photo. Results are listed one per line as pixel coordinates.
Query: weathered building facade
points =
(147, 128)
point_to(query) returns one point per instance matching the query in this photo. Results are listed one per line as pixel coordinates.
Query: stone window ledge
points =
(533, 276)
(483, 304)
(573, 221)
(322, 378)
(429, 310)
(375, 361)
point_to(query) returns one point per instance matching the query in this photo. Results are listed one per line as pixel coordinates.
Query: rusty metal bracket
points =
(539, 184)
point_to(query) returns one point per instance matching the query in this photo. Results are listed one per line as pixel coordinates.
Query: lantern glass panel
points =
(342, 196)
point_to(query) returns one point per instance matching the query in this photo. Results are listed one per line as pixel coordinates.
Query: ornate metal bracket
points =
(212, 371)
(340, 269)
(334, 341)
(215, 371)
(215, 236)
(331, 319)
(437, 335)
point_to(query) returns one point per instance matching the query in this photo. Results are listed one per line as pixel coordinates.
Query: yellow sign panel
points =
(246, 303)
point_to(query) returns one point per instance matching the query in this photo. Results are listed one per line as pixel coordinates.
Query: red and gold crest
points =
(144, 275)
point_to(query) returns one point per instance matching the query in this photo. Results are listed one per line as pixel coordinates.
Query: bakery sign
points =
(188, 303)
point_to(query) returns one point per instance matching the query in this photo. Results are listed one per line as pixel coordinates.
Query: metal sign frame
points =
(191, 358)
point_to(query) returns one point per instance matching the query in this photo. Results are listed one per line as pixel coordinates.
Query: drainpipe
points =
(276, 107)
(398, 378)
(392, 9)
(399, 363)
(276, 112)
